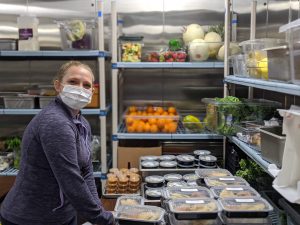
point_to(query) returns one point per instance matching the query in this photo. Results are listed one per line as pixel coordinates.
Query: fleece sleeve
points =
(59, 144)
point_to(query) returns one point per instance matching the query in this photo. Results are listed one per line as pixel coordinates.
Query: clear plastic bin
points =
(202, 173)
(18, 102)
(198, 208)
(151, 119)
(130, 49)
(234, 192)
(78, 34)
(239, 65)
(249, 133)
(292, 31)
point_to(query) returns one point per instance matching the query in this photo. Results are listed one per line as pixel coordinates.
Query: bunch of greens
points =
(249, 170)
(14, 144)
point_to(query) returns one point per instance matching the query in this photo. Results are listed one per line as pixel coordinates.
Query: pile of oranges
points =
(151, 119)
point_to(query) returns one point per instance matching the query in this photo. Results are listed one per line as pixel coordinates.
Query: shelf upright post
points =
(252, 35)
(102, 97)
(114, 53)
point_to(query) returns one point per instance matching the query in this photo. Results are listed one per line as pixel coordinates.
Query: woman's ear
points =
(57, 86)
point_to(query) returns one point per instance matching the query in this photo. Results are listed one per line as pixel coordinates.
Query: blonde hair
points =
(64, 68)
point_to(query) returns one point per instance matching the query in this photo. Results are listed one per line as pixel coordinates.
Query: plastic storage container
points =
(234, 192)
(159, 120)
(18, 102)
(257, 61)
(78, 34)
(224, 181)
(193, 209)
(292, 31)
(254, 210)
(249, 133)
(272, 144)
(239, 65)
(28, 33)
(143, 215)
(202, 173)
(130, 48)
(186, 192)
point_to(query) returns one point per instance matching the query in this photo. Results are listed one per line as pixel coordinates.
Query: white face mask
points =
(75, 97)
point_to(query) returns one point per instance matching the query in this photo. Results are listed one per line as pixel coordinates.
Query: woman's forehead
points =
(78, 72)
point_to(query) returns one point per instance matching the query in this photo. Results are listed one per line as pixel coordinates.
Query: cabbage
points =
(198, 50)
(192, 32)
(214, 43)
(234, 49)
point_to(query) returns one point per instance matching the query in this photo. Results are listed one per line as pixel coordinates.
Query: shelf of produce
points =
(167, 65)
(36, 111)
(281, 87)
(81, 53)
(181, 134)
(252, 153)
(14, 172)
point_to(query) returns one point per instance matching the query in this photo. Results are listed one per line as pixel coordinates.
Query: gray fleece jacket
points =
(55, 180)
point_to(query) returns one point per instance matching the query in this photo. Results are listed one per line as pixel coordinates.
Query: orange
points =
(140, 127)
(132, 109)
(161, 123)
(165, 113)
(154, 128)
(171, 110)
(152, 121)
(150, 109)
(129, 121)
(172, 127)
(132, 114)
(168, 120)
(147, 128)
(130, 129)
(166, 128)
(139, 113)
(159, 110)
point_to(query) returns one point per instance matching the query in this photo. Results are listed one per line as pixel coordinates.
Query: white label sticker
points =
(189, 190)
(246, 200)
(194, 201)
(223, 178)
(234, 189)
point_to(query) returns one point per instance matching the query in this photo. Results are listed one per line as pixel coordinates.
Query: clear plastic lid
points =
(140, 213)
(167, 158)
(234, 192)
(201, 152)
(190, 177)
(150, 164)
(155, 179)
(224, 181)
(192, 183)
(208, 158)
(168, 164)
(149, 158)
(130, 200)
(173, 177)
(201, 173)
(185, 158)
(252, 204)
(154, 193)
(176, 184)
(197, 205)
(186, 192)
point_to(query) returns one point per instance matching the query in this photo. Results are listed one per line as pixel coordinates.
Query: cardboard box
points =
(129, 156)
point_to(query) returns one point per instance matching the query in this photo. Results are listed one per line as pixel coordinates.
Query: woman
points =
(55, 181)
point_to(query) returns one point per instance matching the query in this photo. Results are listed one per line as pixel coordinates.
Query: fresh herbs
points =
(249, 170)
(13, 143)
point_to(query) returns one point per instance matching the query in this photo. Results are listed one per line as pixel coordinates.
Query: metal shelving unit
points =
(36, 111)
(168, 65)
(280, 87)
(252, 153)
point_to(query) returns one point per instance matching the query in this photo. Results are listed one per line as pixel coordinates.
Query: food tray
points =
(224, 181)
(186, 192)
(117, 195)
(198, 208)
(176, 184)
(129, 200)
(234, 192)
(172, 177)
(144, 215)
(151, 119)
(159, 169)
(202, 173)
(174, 221)
(254, 207)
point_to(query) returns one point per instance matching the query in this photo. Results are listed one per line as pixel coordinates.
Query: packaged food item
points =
(173, 177)
(186, 192)
(150, 164)
(114, 170)
(134, 170)
(190, 177)
(185, 160)
(176, 184)
(197, 208)
(192, 183)
(234, 192)
(167, 158)
(154, 181)
(153, 194)
(149, 158)
(168, 164)
(131, 48)
(128, 200)
(202, 173)
(249, 133)
(143, 214)
(208, 161)
(224, 181)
